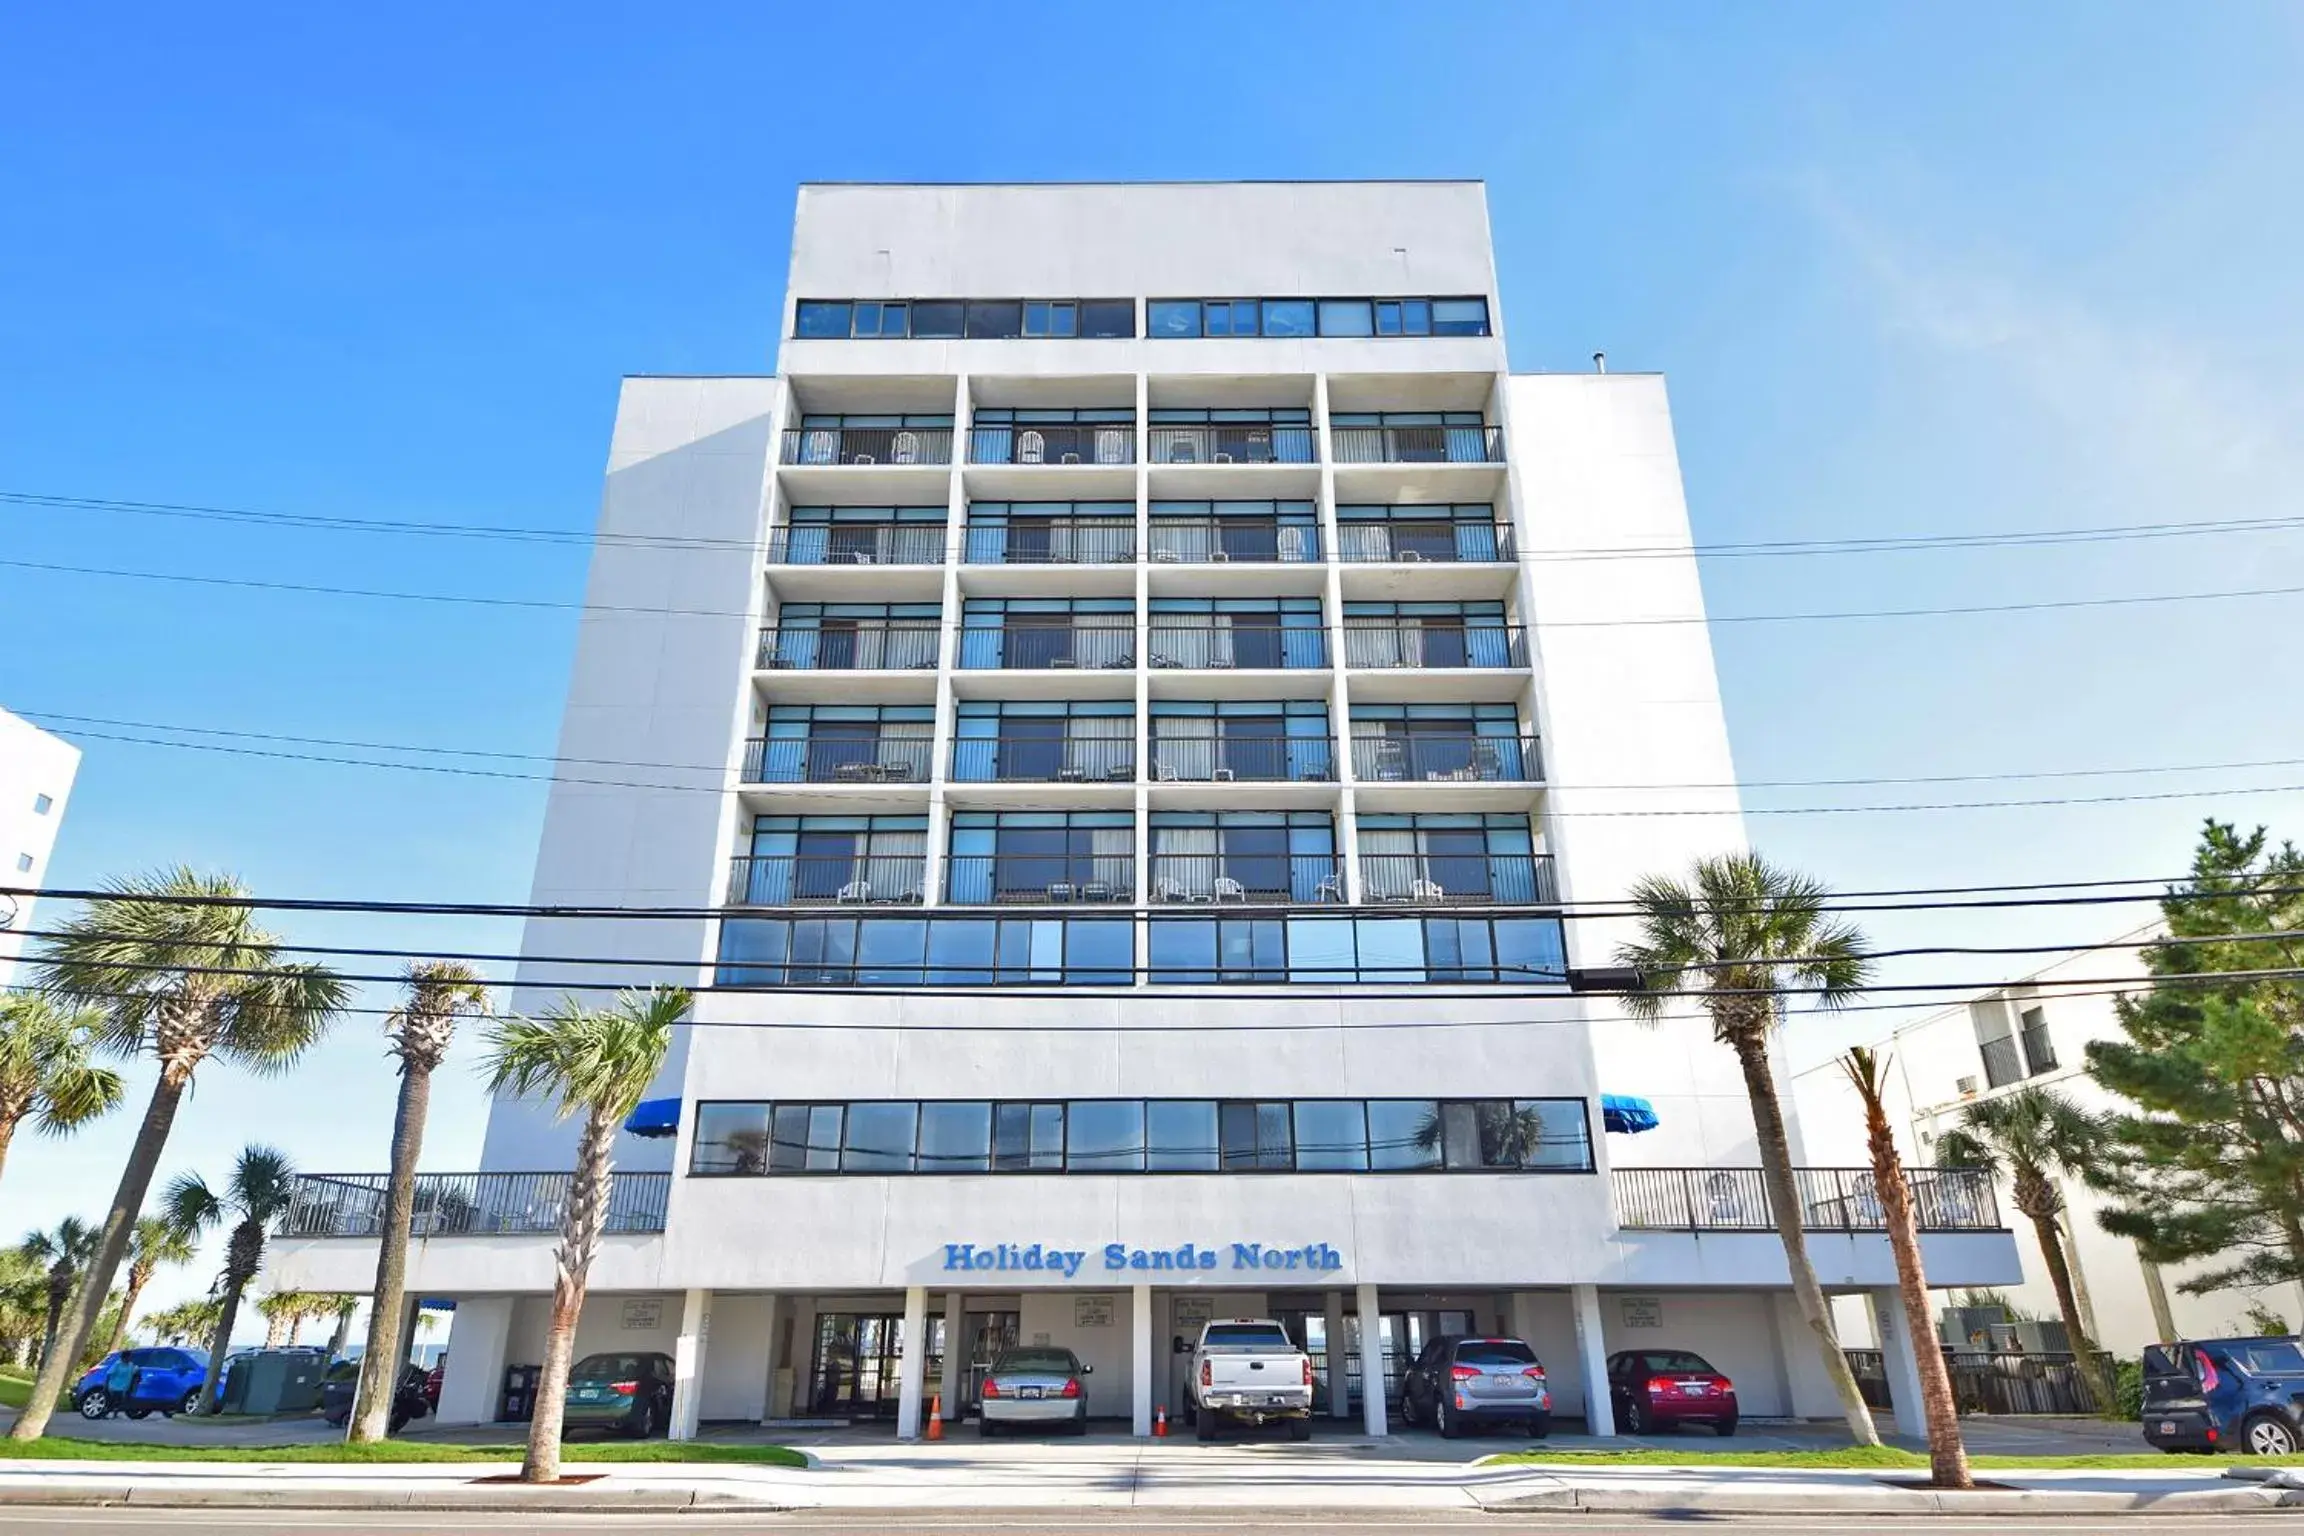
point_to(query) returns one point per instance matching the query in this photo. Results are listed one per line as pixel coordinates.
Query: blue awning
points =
(1622, 1112)
(655, 1117)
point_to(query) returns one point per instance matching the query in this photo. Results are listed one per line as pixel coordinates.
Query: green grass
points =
(1872, 1458)
(15, 1387)
(64, 1448)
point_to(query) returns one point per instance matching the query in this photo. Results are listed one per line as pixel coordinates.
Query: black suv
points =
(2210, 1395)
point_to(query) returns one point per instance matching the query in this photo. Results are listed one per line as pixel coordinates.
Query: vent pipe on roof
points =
(1599, 362)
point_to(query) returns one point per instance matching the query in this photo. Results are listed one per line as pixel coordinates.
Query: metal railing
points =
(1089, 442)
(853, 645)
(460, 1204)
(868, 445)
(2002, 1065)
(1233, 443)
(1220, 759)
(1268, 879)
(1468, 879)
(1437, 542)
(1831, 1199)
(1996, 1381)
(1023, 646)
(1419, 445)
(844, 880)
(837, 759)
(1227, 646)
(857, 544)
(1053, 879)
(1453, 759)
(1233, 541)
(1067, 759)
(1083, 541)
(2039, 1051)
(1429, 644)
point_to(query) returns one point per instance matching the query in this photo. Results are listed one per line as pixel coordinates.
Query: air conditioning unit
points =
(1966, 1086)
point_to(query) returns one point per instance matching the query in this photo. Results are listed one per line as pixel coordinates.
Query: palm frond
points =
(589, 1060)
(190, 1206)
(262, 1182)
(1739, 925)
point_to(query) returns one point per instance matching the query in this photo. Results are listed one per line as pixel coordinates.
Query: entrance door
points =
(1308, 1330)
(1402, 1338)
(988, 1333)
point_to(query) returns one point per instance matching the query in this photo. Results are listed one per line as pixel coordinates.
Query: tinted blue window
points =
(1173, 317)
(821, 318)
(1183, 952)
(1345, 317)
(1287, 317)
(1529, 949)
(1101, 953)
(1459, 317)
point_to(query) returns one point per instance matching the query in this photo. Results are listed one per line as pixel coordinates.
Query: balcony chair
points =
(1031, 448)
(1165, 889)
(1426, 893)
(1183, 451)
(907, 448)
(854, 893)
(1229, 889)
(1163, 771)
(1111, 447)
(1330, 888)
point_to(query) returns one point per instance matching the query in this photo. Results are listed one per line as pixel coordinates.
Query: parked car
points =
(1654, 1389)
(1460, 1383)
(2210, 1395)
(139, 1382)
(1035, 1386)
(628, 1392)
(341, 1386)
(432, 1380)
(1248, 1370)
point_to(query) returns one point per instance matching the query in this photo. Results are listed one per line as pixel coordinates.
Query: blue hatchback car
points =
(139, 1382)
(2209, 1395)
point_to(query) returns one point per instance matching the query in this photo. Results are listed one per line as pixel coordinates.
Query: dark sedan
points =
(1655, 1389)
(627, 1393)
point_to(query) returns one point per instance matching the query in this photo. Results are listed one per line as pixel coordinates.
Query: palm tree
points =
(181, 970)
(184, 1322)
(45, 1067)
(2030, 1138)
(1947, 1456)
(343, 1305)
(597, 1063)
(66, 1251)
(23, 1298)
(262, 1183)
(440, 992)
(158, 1242)
(1744, 933)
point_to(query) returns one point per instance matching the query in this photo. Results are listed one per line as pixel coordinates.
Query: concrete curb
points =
(466, 1500)
(1885, 1501)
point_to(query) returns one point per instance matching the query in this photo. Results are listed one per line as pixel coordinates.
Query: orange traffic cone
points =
(936, 1417)
(1160, 1422)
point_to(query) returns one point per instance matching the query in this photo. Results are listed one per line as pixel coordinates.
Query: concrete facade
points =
(36, 774)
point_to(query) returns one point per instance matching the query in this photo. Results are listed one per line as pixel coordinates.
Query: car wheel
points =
(1079, 1421)
(1299, 1429)
(1540, 1426)
(1724, 1428)
(1408, 1409)
(1191, 1412)
(1444, 1421)
(984, 1428)
(2267, 1435)
(1635, 1416)
(95, 1404)
(191, 1403)
(1204, 1426)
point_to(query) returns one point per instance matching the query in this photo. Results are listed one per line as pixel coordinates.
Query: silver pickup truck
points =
(1248, 1370)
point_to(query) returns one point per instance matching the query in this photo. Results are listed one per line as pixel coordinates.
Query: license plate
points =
(588, 1394)
(2167, 1426)
(1695, 1388)
(1276, 1400)
(1029, 1392)
(1504, 1381)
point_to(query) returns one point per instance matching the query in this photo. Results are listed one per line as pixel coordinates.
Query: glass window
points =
(1104, 1135)
(1027, 1137)
(1108, 317)
(1558, 1135)
(1403, 1133)
(1044, 318)
(1255, 1136)
(1180, 1134)
(807, 1139)
(1387, 317)
(995, 319)
(1100, 952)
(1416, 316)
(730, 1138)
(1287, 317)
(821, 318)
(955, 1138)
(1183, 952)
(936, 319)
(891, 320)
(879, 1138)
(1346, 317)
(1459, 317)
(1331, 1134)
(1460, 1135)
(1173, 317)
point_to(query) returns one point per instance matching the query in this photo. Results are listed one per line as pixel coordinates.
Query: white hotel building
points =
(36, 774)
(1147, 680)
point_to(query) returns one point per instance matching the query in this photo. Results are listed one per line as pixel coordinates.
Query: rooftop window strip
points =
(840, 421)
(1056, 415)
(919, 319)
(1281, 318)
(1223, 416)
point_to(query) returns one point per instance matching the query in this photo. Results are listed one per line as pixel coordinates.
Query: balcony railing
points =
(837, 759)
(1419, 445)
(858, 544)
(1378, 644)
(1233, 541)
(1090, 541)
(458, 1204)
(1267, 879)
(1236, 443)
(1222, 759)
(1054, 443)
(1045, 759)
(1032, 879)
(1831, 1200)
(1227, 646)
(1467, 879)
(2002, 1065)
(1029, 647)
(868, 445)
(1406, 543)
(857, 645)
(840, 880)
(2039, 1050)
(1452, 759)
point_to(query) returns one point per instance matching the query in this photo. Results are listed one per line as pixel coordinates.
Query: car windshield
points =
(1246, 1336)
(2268, 1356)
(1677, 1362)
(1494, 1352)
(1057, 1362)
(609, 1368)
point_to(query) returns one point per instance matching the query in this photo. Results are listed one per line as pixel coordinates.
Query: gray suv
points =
(1461, 1382)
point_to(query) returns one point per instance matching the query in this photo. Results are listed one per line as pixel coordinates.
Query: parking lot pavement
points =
(233, 1429)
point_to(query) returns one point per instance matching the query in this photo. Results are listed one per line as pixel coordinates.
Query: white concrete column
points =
(912, 1362)
(474, 1377)
(770, 1407)
(1339, 1381)
(1140, 1361)
(688, 1363)
(956, 1347)
(1897, 1352)
(1371, 1361)
(1592, 1356)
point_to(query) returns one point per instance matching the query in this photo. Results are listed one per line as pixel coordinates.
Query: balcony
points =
(1425, 758)
(1227, 646)
(1831, 1200)
(1233, 444)
(860, 645)
(2002, 1065)
(1467, 879)
(837, 759)
(868, 445)
(1257, 879)
(1046, 759)
(1233, 541)
(858, 544)
(1246, 759)
(1401, 542)
(838, 880)
(1053, 443)
(461, 1204)
(1431, 645)
(1090, 541)
(1057, 645)
(1419, 445)
(1034, 879)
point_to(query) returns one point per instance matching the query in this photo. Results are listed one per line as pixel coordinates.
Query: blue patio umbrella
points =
(655, 1117)
(1622, 1112)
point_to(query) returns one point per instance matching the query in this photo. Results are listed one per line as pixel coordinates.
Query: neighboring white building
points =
(36, 773)
(2032, 1033)
(1153, 687)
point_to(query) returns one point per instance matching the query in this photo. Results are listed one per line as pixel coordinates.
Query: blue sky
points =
(1911, 269)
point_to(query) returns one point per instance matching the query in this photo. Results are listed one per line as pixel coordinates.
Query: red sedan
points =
(1654, 1389)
